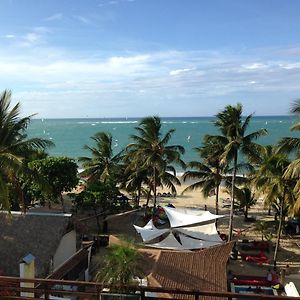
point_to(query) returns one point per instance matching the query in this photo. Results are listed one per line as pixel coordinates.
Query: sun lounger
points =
(254, 280)
(251, 280)
(258, 259)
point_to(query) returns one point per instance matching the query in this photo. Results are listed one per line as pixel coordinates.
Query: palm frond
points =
(295, 108)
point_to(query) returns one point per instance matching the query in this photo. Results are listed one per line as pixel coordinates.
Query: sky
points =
(134, 58)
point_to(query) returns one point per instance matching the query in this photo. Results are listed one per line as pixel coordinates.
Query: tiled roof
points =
(200, 270)
(37, 234)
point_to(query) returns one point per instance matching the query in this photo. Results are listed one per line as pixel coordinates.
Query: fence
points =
(10, 289)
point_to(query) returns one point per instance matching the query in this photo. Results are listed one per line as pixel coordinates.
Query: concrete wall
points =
(66, 248)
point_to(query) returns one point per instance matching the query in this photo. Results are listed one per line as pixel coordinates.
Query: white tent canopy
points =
(169, 243)
(190, 243)
(196, 229)
(149, 231)
(206, 232)
(181, 219)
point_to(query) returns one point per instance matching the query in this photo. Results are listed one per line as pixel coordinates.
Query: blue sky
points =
(132, 58)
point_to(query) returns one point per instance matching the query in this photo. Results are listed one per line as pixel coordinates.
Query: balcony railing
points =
(42, 289)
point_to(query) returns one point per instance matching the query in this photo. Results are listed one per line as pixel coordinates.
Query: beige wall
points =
(27, 271)
(66, 248)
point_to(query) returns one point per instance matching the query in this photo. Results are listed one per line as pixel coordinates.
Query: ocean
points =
(70, 135)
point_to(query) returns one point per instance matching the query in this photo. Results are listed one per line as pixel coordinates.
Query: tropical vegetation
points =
(234, 134)
(246, 198)
(269, 180)
(151, 151)
(99, 198)
(121, 267)
(104, 164)
(209, 172)
(15, 149)
(28, 175)
(59, 175)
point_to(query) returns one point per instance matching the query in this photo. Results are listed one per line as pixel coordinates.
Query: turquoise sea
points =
(70, 135)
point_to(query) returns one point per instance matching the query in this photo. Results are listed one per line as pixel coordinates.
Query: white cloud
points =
(179, 71)
(291, 66)
(52, 78)
(255, 66)
(9, 36)
(31, 37)
(58, 16)
(34, 37)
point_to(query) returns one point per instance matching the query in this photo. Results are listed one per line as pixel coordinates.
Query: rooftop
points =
(38, 234)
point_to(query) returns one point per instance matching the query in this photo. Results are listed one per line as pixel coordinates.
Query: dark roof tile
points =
(200, 270)
(36, 234)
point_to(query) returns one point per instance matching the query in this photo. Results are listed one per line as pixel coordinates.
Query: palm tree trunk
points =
(138, 196)
(62, 203)
(97, 221)
(20, 195)
(232, 196)
(154, 187)
(217, 202)
(246, 212)
(217, 199)
(281, 217)
(148, 197)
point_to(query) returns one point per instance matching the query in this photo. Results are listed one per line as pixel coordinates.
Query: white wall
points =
(65, 249)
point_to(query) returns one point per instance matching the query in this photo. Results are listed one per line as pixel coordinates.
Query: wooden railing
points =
(43, 288)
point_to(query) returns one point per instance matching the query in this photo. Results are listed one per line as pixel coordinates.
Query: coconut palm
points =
(151, 150)
(15, 146)
(121, 265)
(210, 172)
(264, 229)
(134, 176)
(292, 145)
(104, 164)
(246, 199)
(234, 130)
(295, 108)
(273, 187)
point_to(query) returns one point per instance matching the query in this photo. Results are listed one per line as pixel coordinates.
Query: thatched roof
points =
(200, 270)
(35, 233)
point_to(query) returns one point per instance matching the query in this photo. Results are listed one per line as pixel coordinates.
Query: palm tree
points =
(292, 144)
(264, 229)
(15, 146)
(210, 172)
(270, 182)
(246, 199)
(121, 265)
(289, 145)
(103, 165)
(295, 108)
(151, 150)
(134, 176)
(233, 129)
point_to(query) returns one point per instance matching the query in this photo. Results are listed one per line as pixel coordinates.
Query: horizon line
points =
(162, 117)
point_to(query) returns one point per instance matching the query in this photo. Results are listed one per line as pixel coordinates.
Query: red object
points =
(259, 258)
(254, 280)
(257, 281)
